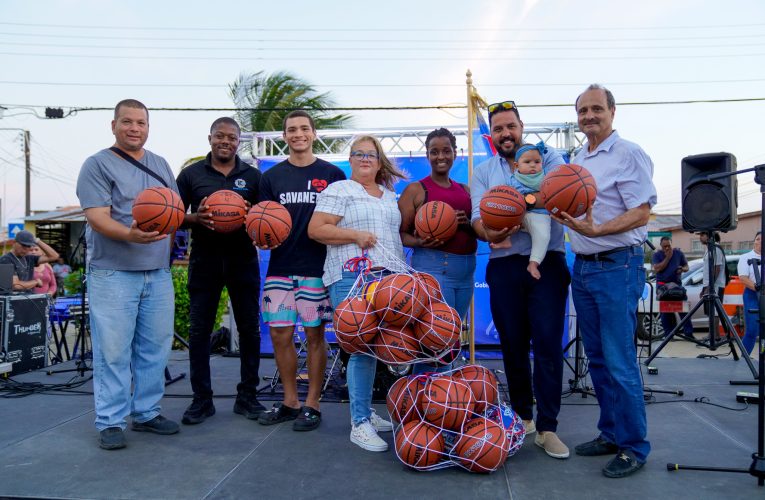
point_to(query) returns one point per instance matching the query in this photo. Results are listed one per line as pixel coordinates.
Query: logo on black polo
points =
(240, 183)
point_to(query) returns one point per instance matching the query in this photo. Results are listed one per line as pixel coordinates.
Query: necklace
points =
(22, 265)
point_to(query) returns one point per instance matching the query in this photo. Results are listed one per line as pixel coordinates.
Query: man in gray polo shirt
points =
(608, 279)
(129, 283)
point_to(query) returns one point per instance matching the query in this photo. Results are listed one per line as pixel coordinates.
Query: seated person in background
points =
(669, 264)
(43, 272)
(24, 262)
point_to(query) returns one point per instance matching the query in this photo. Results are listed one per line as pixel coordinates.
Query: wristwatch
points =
(531, 201)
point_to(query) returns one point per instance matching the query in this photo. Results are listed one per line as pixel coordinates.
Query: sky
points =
(80, 54)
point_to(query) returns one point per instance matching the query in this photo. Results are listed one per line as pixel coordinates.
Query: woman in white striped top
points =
(352, 216)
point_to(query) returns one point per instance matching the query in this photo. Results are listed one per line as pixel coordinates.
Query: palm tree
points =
(264, 100)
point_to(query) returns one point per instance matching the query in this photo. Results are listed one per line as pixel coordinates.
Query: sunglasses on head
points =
(501, 106)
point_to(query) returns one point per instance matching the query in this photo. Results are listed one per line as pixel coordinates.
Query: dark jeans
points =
(669, 322)
(526, 311)
(208, 274)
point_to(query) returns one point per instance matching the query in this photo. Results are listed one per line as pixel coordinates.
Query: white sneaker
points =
(365, 436)
(379, 423)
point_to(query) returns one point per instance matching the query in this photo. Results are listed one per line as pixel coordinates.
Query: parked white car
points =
(691, 280)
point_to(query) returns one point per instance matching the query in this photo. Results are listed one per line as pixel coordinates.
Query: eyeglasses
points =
(501, 106)
(358, 155)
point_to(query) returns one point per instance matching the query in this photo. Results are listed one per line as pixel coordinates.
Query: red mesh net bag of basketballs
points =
(453, 419)
(396, 317)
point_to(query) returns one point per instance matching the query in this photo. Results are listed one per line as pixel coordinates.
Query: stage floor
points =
(48, 448)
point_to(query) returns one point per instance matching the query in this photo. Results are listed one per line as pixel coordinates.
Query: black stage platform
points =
(48, 448)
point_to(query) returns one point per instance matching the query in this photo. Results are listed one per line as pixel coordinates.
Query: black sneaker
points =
(308, 420)
(278, 414)
(622, 465)
(596, 447)
(111, 438)
(157, 425)
(198, 411)
(248, 405)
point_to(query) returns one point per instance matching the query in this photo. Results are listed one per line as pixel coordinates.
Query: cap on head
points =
(25, 238)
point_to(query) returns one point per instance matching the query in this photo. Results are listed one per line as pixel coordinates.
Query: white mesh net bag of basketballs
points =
(399, 318)
(453, 418)
(441, 420)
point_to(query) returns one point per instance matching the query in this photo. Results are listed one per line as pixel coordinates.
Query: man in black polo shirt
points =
(218, 260)
(24, 262)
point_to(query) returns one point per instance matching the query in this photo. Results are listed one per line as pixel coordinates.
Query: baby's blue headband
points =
(540, 146)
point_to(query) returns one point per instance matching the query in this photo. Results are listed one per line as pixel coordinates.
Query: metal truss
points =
(409, 141)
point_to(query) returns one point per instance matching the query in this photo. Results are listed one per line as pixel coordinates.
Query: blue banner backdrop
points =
(417, 167)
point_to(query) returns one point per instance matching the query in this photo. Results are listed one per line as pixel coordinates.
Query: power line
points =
(450, 40)
(388, 59)
(403, 108)
(379, 48)
(405, 85)
(365, 30)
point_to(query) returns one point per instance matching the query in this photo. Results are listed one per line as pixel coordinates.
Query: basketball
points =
(268, 224)
(402, 399)
(368, 290)
(430, 285)
(228, 210)
(570, 189)
(354, 317)
(501, 207)
(396, 345)
(158, 209)
(482, 383)
(446, 402)
(483, 446)
(439, 327)
(399, 298)
(419, 444)
(436, 219)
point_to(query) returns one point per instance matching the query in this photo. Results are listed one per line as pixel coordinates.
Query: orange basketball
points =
(430, 285)
(446, 402)
(483, 385)
(355, 322)
(501, 207)
(483, 446)
(399, 298)
(570, 189)
(268, 223)
(436, 219)
(439, 327)
(158, 209)
(419, 444)
(228, 210)
(396, 344)
(402, 399)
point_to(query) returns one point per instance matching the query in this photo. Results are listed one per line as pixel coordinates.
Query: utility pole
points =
(28, 175)
(27, 170)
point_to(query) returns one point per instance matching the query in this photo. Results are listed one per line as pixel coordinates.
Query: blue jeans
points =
(131, 323)
(452, 271)
(360, 372)
(606, 294)
(751, 320)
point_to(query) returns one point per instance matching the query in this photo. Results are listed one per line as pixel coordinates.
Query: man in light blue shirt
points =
(609, 277)
(524, 309)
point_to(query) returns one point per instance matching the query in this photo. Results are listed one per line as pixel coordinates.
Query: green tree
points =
(266, 99)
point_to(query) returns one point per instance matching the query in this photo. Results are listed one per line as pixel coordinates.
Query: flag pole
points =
(471, 120)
